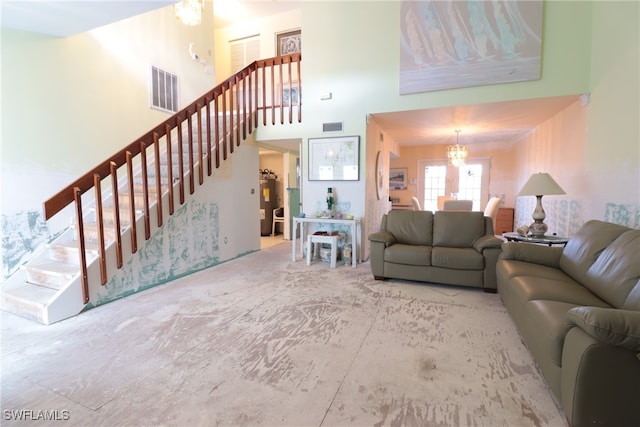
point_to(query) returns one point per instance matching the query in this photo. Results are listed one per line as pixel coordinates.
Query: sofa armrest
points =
(620, 328)
(382, 236)
(537, 254)
(486, 242)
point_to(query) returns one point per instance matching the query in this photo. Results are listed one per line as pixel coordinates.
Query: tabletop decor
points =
(540, 184)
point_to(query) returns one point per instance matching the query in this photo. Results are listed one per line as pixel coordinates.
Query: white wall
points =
(612, 151)
(74, 101)
(69, 103)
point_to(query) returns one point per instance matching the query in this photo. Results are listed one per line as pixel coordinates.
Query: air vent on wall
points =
(332, 127)
(163, 91)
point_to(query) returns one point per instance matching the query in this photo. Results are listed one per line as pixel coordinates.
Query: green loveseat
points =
(448, 247)
(578, 310)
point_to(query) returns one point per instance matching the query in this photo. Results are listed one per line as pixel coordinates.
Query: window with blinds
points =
(244, 51)
(163, 90)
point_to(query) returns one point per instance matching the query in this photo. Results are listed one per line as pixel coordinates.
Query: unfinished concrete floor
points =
(263, 341)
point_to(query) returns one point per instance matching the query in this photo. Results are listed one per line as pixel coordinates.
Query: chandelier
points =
(457, 153)
(189, 12)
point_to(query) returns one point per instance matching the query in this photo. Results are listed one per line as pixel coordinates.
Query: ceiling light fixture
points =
(457, 154)
(189, 12)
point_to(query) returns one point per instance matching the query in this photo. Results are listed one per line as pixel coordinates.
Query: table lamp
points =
(540, 184)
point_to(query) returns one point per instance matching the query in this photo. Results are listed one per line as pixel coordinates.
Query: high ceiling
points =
(506, 121)
(66, 18)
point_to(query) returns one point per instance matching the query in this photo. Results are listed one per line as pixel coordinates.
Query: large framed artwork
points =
(288, 42)
(334, 159)
(456, 43)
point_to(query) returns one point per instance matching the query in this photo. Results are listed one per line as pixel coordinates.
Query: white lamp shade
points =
(541, 184)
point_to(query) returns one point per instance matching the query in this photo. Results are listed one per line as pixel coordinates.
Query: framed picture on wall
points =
(334, 159)
(290, 94)
(398, 179)
(288, 42)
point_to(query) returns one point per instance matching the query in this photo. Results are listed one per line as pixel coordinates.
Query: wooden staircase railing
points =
(239, 99)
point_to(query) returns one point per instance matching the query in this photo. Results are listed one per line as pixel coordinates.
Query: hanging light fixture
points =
(189, 12)
(457, 153)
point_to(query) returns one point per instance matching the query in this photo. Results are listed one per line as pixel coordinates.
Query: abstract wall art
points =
(453, 44)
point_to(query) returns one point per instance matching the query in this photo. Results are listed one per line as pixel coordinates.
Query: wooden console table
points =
(356, 229)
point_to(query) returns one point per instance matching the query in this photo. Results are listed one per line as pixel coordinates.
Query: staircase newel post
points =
(207, 104)
(156, 150)
(231, 117)
(180, 162)
(190, 141)
(132, 204)
(299, 91)
(200, 146)
(249, 97)
(77, 196)
(281, 76)
(116, 212)
(145, 190)
(216, 112)
(100, 228)
(169, 167)
(224, 122)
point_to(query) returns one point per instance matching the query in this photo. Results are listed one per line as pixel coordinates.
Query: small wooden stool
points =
(332, 240)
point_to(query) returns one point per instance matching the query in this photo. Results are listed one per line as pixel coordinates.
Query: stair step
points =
(24, 299)
(91, 232)
(66, 250)
(138, 199)
(109, 216)
(138, 189)
(50, 273)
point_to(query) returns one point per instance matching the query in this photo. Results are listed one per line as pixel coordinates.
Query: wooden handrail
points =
(66, 196)
(236, 100)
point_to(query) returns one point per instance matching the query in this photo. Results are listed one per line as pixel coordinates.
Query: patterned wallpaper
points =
(564, 216)
(23, 234)
(188, 243)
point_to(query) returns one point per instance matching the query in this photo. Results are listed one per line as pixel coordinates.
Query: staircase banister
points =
(67, 195)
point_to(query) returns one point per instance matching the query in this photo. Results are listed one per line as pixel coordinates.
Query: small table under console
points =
(356, 229)
(546, 240)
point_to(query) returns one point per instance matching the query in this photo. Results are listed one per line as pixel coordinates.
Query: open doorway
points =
(279, 193)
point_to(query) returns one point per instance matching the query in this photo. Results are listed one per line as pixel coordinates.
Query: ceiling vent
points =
(332, 127)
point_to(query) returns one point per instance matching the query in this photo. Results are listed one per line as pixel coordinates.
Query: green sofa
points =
(448, 247)
(578, 310)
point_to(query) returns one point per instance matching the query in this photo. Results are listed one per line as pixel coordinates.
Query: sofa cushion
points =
(531, 288)
(408, 254)
(512, 268)
(617, 271)
(548, 317)
(457, 258)
(585, 246)
(457, 229)
(411, 227)
(616, 327)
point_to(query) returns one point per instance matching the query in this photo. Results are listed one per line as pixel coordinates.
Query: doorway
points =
(282, 191)
(436, 178)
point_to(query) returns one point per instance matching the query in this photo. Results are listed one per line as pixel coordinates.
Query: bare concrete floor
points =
(263, 341)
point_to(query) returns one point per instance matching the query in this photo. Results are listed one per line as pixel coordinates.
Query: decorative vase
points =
(330, 202)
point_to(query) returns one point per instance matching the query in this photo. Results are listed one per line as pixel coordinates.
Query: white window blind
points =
(244, 51)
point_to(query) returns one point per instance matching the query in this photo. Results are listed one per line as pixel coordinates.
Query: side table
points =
(546, 240)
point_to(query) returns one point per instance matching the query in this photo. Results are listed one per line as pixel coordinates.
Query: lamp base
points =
(538, 229)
